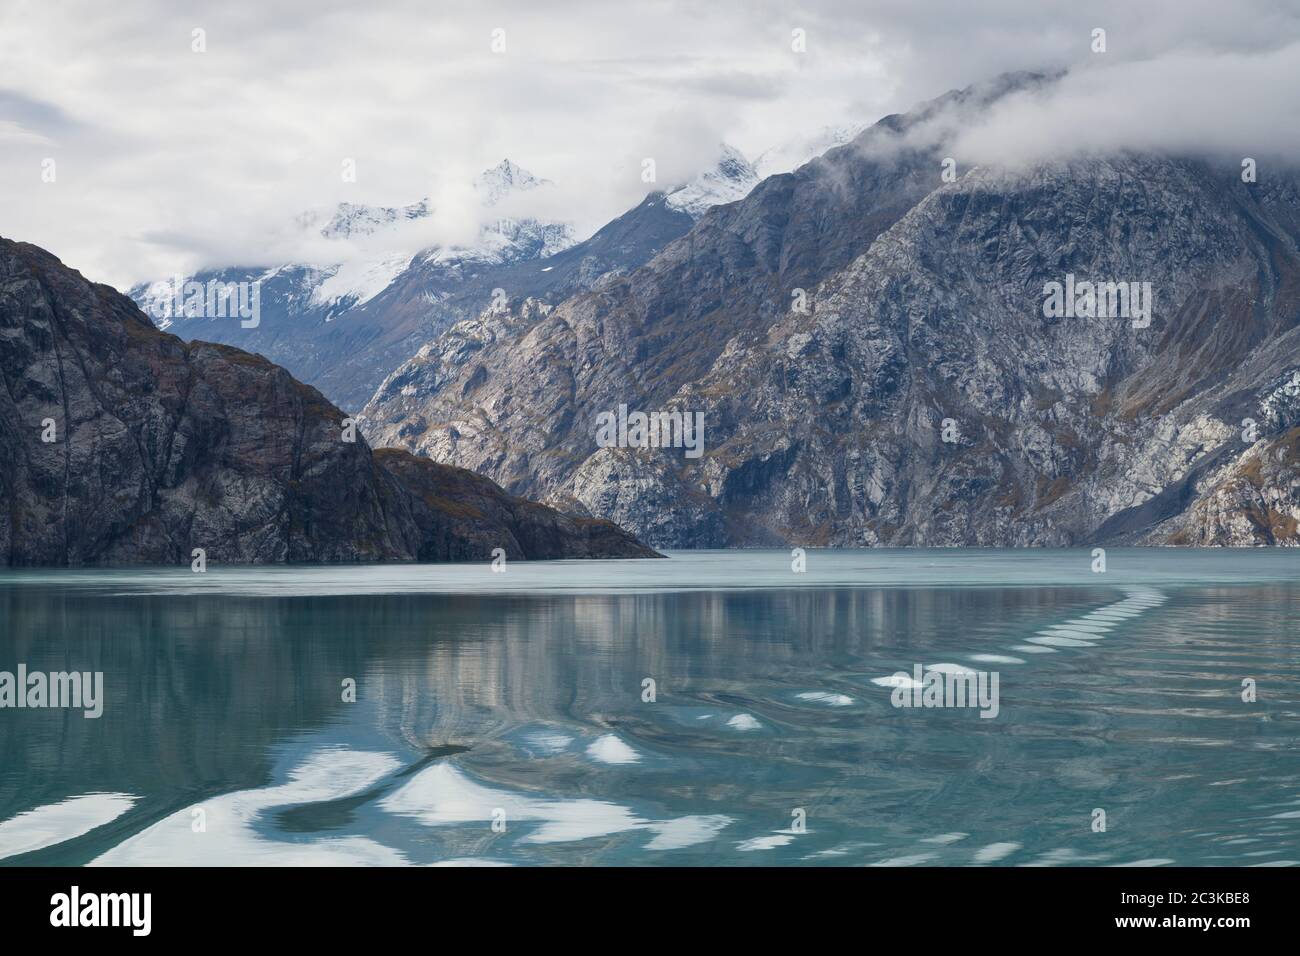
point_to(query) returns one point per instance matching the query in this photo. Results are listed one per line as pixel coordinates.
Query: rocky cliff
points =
(122, 444)
(872, 349)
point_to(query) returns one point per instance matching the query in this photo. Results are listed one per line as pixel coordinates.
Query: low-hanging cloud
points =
(169, 159)
(1228, 104)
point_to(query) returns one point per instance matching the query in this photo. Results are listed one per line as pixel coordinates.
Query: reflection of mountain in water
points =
(533, 704)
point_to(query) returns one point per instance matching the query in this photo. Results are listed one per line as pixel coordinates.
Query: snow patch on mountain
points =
(358, 280)
(729, 180)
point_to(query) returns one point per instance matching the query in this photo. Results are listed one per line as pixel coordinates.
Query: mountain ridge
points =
(345, 327)
(926, 307)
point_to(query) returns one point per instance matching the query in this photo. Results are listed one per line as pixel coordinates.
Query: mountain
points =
(929, 393)
(351, 220)
(505, 179)
(345, 327)
(122, 444)
(306, 310)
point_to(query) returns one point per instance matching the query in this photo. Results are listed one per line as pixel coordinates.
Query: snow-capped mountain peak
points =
(731, 178)
(505, 178)
(353, 220)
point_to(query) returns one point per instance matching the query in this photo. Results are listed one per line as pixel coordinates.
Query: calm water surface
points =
(516, 699)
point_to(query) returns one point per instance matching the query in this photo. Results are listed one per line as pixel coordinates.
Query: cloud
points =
(1224, 104)
(169, 159)
(13, 133)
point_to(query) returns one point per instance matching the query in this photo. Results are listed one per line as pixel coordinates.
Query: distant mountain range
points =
(344, 327)
(879, 357)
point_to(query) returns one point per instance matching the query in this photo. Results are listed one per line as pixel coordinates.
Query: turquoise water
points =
(499, 718)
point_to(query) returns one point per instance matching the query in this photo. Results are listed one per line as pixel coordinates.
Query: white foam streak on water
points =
(58, 822)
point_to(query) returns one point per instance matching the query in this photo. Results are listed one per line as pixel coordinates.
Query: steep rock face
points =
(1250, 490)
(638, 338)
(122, 444)
(923, 397)
(1058, 425)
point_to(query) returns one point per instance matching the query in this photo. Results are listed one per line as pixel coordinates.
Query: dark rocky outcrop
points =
(121, 444)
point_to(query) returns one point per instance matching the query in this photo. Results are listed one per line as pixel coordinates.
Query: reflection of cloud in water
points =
(897, 680)
(230, 840)
(913, 859)
(765, 842)
(1082, 631)
(610, 749)
(744, 722)
(686, 831)
(827, 698)
(59, 822)
(551, 743)
(469, 861)
(442, 795)
(995, 852)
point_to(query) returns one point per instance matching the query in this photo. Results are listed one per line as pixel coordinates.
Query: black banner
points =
(335, 906)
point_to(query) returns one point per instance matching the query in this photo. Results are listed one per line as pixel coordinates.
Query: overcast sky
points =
(168, 159)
